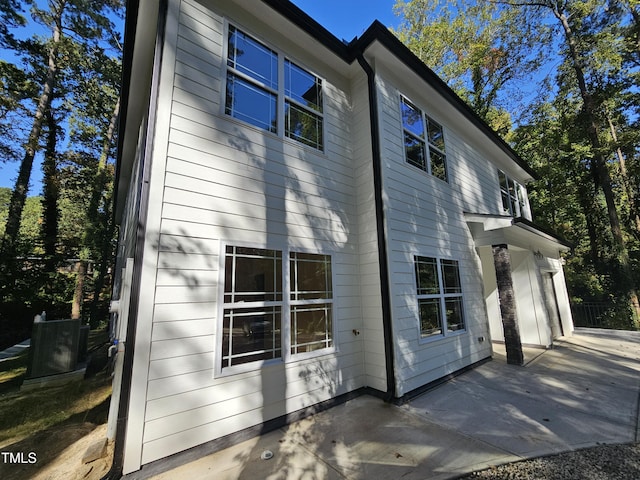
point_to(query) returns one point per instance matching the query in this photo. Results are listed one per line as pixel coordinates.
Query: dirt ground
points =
(59, 454)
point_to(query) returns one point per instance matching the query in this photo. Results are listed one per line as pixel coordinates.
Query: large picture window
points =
(256, 95)
(423, 141)
(439, 294)
(256, 299)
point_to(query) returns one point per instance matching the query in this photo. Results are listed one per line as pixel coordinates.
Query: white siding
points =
(228, 182)
(424, 216)
(370, 289)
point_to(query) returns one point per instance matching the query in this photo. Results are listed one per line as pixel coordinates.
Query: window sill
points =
(441, 337)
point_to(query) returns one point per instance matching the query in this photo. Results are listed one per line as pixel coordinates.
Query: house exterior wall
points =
(532, 315)
(218, 181)
(369, 266)
(215, 181)
(424, 216)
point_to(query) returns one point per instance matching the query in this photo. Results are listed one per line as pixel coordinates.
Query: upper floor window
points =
(439, 293)
(256, 94)
(514, 196)
(423, 141)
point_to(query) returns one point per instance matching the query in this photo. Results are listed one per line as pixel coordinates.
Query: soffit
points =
(490, 230)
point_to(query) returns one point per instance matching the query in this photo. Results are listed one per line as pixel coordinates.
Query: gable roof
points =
(377, 32)
(347, 52)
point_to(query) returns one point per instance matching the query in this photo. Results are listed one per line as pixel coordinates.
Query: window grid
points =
(423, 140)
(439, 296)
(255, 93)
(311, 302)
(252, 310)
(260, 311)
(513, 195)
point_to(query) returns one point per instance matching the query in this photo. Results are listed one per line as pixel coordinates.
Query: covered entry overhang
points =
(525, 290)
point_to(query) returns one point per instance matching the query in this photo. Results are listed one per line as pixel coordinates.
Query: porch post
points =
(502, 262)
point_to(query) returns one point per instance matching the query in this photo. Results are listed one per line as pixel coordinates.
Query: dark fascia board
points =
(545, 232)
(130, 24)
(297, 16)
(378, 32)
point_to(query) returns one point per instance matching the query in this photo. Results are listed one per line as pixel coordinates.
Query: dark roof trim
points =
(378, 32)
(130, 24)
(542, 231)
(309, 25)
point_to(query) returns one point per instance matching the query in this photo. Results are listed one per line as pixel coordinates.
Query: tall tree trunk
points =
(626, 181)
(103, 226)
(598, 163)
(78, 293)
(19, 195)
(51, 193)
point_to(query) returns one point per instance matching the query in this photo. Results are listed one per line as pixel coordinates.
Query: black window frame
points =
(439, 292)
(425, 144)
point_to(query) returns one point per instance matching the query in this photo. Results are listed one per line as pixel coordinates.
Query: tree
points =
(480, 49)
(590, 62)
(67, 86)
(580, 131)
(76, 26)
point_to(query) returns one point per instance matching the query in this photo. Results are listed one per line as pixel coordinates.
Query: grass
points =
(24, 413)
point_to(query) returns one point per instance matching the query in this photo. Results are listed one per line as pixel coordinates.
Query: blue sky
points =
(344, 18)
(349, 18)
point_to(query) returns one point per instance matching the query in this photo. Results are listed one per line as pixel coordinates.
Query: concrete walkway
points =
(14, 351)
(583, 392)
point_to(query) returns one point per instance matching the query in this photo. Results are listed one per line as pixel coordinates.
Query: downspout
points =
(385, 289)
(115, 472)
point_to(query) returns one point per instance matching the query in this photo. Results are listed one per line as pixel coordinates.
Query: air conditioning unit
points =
(54, 348)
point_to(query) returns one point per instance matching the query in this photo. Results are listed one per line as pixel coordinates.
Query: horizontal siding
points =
(369, 274)
(424, 216)
(227, 182)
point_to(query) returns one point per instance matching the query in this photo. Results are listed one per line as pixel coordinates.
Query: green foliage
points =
(580, 133)
(481, 49)
(69, 76)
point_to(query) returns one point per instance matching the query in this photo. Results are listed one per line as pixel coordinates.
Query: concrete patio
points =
(583, 392)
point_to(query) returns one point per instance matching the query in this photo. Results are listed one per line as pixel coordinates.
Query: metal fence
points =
(601, 315)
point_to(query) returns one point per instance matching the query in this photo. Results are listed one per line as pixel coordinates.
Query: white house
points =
(303, 220)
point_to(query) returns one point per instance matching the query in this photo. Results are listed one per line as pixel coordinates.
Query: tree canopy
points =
(579, 128)
(59, 102)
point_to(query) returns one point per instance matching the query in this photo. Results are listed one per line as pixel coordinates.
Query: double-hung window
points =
(423, 141)
(302, 105)
(252, 315)
(259, 307)
(311, 302)
(514, 196)
(256, 93)
(439, 294)
(252, 81)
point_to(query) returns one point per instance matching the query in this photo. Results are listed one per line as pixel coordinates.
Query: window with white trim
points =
(252, 318)
(439, 295)
(423, 140)
(514, 196)
(311, 302)
(259, 307)
(255, 93)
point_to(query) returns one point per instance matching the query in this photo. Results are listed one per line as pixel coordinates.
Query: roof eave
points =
(378, 32)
